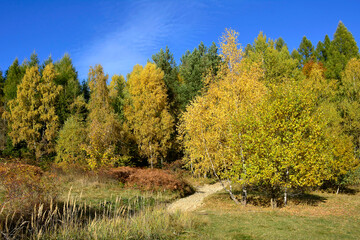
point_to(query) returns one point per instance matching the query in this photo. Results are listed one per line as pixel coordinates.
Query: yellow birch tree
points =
(147, 113)
(103, 125)
(207, 125)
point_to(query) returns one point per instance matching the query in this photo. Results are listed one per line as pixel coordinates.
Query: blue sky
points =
(120, 34)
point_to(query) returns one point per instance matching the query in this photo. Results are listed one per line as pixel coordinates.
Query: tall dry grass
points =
(74, 219)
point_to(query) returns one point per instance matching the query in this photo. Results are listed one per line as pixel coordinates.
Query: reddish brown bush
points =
(150, 179)
(121, 173)
(25, 186)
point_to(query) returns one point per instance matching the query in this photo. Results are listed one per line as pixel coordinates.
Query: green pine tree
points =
(342, 48)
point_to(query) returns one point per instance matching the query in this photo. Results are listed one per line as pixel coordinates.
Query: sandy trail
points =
(194, 201)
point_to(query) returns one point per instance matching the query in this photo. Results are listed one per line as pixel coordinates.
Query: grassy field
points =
(331, 216)
(129, 213)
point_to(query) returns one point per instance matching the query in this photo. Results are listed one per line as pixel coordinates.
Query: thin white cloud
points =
(148, 27)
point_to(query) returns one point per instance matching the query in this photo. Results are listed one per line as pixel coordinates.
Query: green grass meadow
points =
(334, 217)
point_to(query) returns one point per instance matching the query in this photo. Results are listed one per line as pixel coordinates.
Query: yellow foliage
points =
(147, 112)
(206, 126)
(103, 125)
(31, 115)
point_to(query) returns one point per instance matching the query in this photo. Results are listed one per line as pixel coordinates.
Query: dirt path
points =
(194, 201)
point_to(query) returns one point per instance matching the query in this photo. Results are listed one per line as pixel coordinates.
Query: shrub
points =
(25, 187)
(150, 179)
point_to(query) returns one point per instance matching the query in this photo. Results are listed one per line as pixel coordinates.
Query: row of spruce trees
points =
(48, 115)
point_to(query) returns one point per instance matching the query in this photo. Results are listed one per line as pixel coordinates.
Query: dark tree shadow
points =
(307, 199)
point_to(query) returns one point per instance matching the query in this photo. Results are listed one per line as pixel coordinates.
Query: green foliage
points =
(306, 50)
(66, 78)
(85, 90)
(194, 66)
(279, 44)
(117, 95)
(277, 65)
(72, 135)
(12, 79)
(322, 49)
(296, 56)
(342, 48)
(165, 61)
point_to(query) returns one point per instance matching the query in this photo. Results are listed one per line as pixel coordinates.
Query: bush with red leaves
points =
(150, 179)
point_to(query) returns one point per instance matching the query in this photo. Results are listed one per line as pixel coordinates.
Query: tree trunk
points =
(273, 202)
(285, 191)
(151, 158)
(244, 196)
(338, 189)
(273, 198)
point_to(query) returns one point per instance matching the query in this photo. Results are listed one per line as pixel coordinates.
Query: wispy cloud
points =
(133, 38)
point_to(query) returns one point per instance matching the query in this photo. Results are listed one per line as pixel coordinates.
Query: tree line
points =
(259, 116)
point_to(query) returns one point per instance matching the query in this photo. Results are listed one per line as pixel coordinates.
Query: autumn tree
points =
(288, 142)
(31, 114)
(72, 135)
(342, 162)
(207, 123)
(148, 114)
(103, 126)
(350, 105)
(308, 67)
